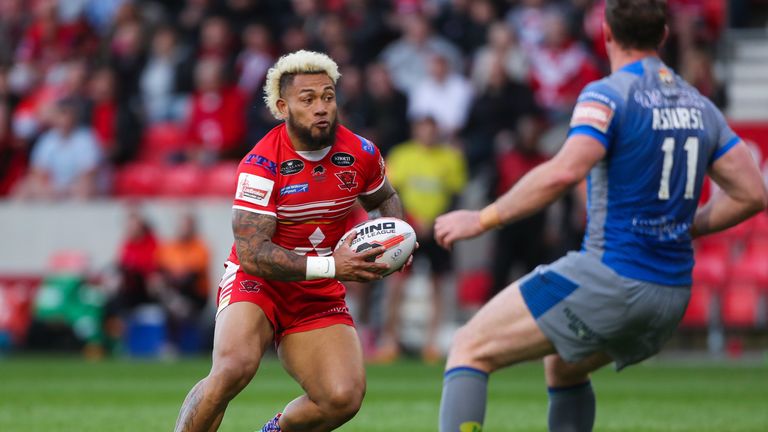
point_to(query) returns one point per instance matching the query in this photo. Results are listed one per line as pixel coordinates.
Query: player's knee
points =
(229, 375)
(560, 373)
(343, 401)
(466, 350)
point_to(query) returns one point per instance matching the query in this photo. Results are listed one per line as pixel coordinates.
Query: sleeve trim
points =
(374, 190)
(590, 132)
(724, 149)
(264, 212)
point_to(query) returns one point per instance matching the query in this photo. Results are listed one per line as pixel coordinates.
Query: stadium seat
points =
(137, 180)
(740, 306)
(714, 244)
(750, 268)
(711, 268)
(474, 288)
(182, 180)
(221, 180)
(698, 313)
(760, 227)
(162, 140)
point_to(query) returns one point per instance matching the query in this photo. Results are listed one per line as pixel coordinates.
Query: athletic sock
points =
(462, 408)
(572, 409)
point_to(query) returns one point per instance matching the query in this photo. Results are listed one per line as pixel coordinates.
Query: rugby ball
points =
(395, 235)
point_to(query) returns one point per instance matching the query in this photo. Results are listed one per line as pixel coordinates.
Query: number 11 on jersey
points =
(692, 152)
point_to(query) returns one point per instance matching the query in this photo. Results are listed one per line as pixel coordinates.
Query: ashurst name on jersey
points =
(677, 118)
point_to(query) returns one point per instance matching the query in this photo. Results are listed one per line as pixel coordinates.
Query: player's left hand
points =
(457, 225)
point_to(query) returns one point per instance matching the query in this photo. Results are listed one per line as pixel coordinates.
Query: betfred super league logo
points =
(347, 179)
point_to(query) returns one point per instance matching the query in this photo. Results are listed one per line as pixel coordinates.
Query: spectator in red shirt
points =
(136, 262)
(216, 126)
(115, 122)
(560, 68)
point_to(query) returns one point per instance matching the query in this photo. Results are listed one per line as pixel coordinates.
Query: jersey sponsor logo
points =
(261, 161)
(347, 179)
(254, 189)
(250, 286)
(368, 146)
(342, 159)
(294, 188)
(591, 113)
(318, 173)
(291, 167)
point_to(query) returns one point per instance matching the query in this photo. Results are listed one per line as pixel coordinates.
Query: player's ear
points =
(607, 33)
(282, 107)
(664, 38)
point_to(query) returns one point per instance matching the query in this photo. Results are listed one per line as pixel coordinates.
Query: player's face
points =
(312, 113)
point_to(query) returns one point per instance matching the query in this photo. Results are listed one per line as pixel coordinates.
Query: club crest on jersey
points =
(347, 179)
(262, 162)
(342, 159)
(318, 173)
(250, 286)
(291, 167)
(665, 76)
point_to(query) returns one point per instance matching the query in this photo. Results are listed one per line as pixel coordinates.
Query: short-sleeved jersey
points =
(310, 199)
(661, 135)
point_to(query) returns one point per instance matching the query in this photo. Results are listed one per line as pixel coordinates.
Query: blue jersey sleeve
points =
(597, 113)
(725, 138)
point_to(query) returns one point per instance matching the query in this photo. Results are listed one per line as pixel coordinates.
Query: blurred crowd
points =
(85, 85)
(454, 93)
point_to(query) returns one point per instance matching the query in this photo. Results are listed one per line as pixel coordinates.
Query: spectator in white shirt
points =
(407, 59)
(64, 161)
(443, 95)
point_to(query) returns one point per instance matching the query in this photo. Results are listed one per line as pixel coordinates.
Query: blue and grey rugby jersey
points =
(661, 135)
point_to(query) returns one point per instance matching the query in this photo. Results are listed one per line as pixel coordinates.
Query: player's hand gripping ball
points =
(397, 237)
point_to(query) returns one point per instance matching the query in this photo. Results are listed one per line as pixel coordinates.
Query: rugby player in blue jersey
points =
(644, 139)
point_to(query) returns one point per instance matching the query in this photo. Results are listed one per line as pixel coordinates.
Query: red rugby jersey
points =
(311, 200)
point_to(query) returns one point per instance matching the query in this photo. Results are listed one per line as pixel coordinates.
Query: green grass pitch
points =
(46, 395)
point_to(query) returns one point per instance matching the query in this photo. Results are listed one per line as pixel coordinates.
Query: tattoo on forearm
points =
(392, 207)
(189, 408)
(258, 255)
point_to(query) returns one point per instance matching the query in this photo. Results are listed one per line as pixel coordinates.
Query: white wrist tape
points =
(320, 267)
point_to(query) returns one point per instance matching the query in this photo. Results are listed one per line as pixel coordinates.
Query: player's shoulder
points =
(357, 145)
(264, 154)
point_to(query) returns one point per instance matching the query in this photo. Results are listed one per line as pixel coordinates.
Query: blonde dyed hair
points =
(299, 62)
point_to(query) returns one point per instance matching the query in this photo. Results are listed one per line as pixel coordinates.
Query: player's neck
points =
(622, 58)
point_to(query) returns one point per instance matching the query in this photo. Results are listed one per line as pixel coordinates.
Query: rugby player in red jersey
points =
(295, 189)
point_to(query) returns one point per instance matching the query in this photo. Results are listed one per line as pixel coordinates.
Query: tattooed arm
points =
(385, 200)
(258, 255)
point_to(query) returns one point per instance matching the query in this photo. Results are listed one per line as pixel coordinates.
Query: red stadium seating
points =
(182, 180)
(161, 140)
(711, 268)
(751, 268)
(699, 311)
(740, 304)
(221, 180)
(137, 180)
(760, 227)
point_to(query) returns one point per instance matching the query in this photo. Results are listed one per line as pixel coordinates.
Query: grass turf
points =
(44, 395)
